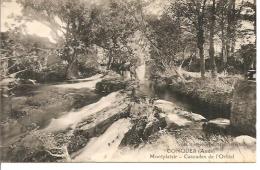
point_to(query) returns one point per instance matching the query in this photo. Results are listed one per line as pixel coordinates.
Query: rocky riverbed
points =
(124, 125)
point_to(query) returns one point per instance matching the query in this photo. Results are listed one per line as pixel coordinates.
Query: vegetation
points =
(198, 48)
(182, 33)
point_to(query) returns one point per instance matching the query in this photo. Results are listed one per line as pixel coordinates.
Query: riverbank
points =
(210, 97)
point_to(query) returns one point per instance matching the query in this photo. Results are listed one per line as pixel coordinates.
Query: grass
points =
(211, 90)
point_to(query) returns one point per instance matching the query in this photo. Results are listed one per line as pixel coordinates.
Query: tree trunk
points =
(211, 41)
(110, 59)
(223, 54)
(111, 53)
(230, 26)
(202, 61)
(200, 44)
(233, 46)
(255, 23)
(72, 70)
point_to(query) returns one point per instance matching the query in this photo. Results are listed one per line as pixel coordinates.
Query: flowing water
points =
(106, 146)
(72, 118)
(48, 105)
(140, 71)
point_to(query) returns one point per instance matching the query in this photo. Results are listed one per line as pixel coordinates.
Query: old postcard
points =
(128, 81)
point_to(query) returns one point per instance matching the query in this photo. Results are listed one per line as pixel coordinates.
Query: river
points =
(104, 147)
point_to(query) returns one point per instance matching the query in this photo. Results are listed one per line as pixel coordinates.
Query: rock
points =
(16, 114)
(7, 81)
(147, 121)
(219, 125)
(192, 116)
(135, 135)
(9, 130)
(153, 127)
(112, 74)
(138, 109)
(160, 83)
(187, 77)
(22, 154)
(165, 106)
(97, 123)
(141, 131)
(245, 140)
(28, 81)
(243, 110)
(175, 121)
(160, 116)
(105, 146)
(110, 85)
(22, 89)
(176, 118)
(162, 102)
(32, 147)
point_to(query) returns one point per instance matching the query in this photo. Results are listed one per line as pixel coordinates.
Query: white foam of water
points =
(104, 147)
(91, 84)
(74, 117)
(95, 77)
(126, 75)
(140, 71)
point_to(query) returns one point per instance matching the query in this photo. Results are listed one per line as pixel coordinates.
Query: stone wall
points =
(243, 110)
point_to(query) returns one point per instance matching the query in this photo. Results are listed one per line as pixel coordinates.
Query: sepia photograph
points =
(86, 81)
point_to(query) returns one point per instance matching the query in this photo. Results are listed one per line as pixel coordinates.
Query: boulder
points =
(243, 110)
(175, 121)
(192, 116)
(32, 147)
(159, 83)
(153, 127)
(16, 114)
(141, 131)
(28, 81)
(110, 85)
(165, 106)
(245, 140)
(219, 125)
(160, 116)
(147, 121)
(135, 135)
(96, 124)
(174, 117)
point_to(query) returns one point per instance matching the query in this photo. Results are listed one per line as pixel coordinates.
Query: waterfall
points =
(106, 146)
(140, 72)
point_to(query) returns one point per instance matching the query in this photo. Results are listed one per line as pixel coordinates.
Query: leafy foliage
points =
(181, 33)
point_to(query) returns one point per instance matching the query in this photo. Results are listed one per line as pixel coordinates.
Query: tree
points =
(194, 11)
(200, 12)
(231, 24)
(248, 54)
(211, 39)
(23, 53)
(77, 24)
(249, 15)
(221, 11)
(117, 25)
